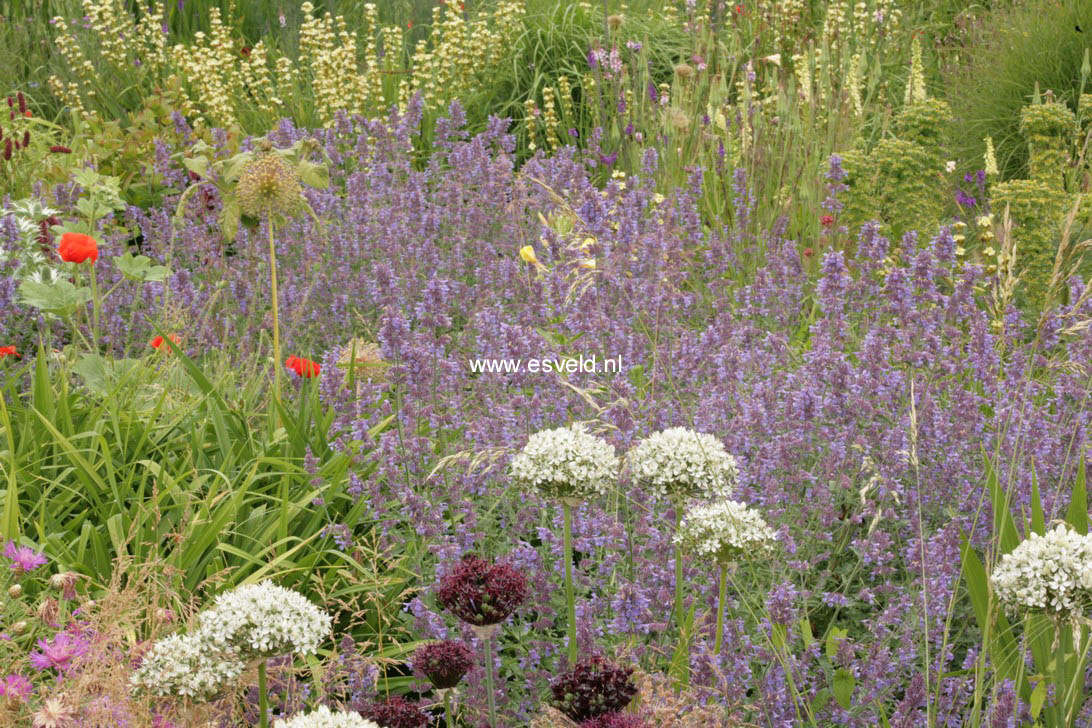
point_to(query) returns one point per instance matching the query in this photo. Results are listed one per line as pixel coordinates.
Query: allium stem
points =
(678, 572)
(721, 598)
(276, 319)
(263, 698)
(95, 309)
(489, 681)
(449, 716)
(570, 601)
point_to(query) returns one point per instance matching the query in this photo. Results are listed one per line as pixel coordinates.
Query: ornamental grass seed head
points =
(323, 717)
(679, 463)
(566, 462)
(480, 593)
(725, 531)
(184, 666)
(263, 620)
(1047, 574)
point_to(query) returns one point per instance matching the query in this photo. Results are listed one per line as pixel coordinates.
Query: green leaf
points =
(1038, 521)
(140, 268)
(844, 683)
(315, 175)
(1004, 527)
(199, 165)
(834, 636)
(229, 217)
(1077, 515)
(60, 296)
(1038, 695)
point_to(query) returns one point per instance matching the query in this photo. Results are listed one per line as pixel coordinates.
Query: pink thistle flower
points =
(23, 558)
(60, 654)
(17, 687)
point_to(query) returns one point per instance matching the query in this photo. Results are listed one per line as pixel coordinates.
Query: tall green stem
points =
(263, 697)
(488, 639)
(94, 308)
(678, 573)
(721, 598)
(570, 601)
(449, 716)
(277, 363)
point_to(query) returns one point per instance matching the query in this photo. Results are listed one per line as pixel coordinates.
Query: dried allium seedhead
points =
(268, 184)
(594, 687)
(684, 71)
(480, 593)
(443, 663)
(615, 21)
(395, 713)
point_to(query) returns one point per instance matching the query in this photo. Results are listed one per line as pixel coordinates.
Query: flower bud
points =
(58, 149)
(65, 582)
(26, 139)
(19, 627)
(22, 103)
(15, 591)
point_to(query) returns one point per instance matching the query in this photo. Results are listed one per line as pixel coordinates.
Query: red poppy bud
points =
(77, 247)
(8, 351)
(245, 52)
(58, 149)
(158, 341)
(302, 367)
(409, 24)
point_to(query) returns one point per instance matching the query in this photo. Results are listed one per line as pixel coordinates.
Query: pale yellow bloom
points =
(588, 264)
(527, 252)
(587, 243)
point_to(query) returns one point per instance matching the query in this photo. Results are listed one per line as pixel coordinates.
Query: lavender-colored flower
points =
(615, 720)
(23, 558)
(443, 663)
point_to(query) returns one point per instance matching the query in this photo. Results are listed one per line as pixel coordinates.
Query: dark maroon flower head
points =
(395, 713)
(615, 720)
(593, 688)
(22, 103)
(443, 663)
(481, 593)
(60, 149)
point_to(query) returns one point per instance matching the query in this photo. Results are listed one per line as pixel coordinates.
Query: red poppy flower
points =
(158, 341)
(302, 367)
(409, 24)
(27, 114)
(77, 247)
(8, 351)
(827, 220)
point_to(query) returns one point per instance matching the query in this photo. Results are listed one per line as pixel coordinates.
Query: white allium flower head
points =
(566, 462)
(1049, 574)
(679, 463)
(183, 666)
(725, 531)
(323, 717)
(263, 620)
